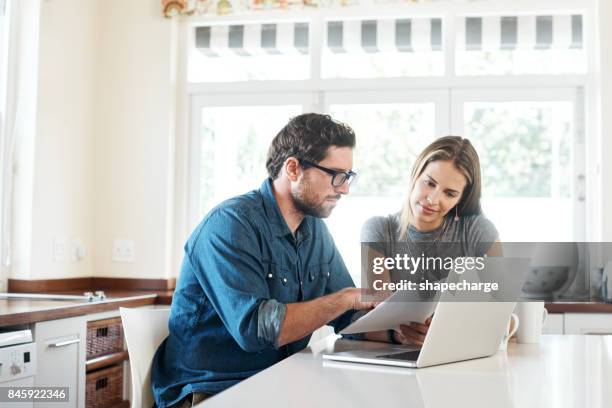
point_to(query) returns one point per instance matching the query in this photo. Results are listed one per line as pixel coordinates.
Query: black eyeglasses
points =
(338, 177)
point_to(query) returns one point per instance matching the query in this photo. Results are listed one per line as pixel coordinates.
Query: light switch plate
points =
(60, 249)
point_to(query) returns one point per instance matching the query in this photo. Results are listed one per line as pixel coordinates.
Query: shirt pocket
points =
(281, 283)
(318, 276)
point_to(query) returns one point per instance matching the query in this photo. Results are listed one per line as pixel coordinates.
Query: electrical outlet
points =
(60, 249)
(123, 250)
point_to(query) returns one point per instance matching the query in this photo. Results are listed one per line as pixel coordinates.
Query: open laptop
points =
(460, 330)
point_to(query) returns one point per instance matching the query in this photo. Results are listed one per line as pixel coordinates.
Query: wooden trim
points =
(105, 361)
(88, 284)
(134, 284)
(164, 299)
(579, 307)
(48, 285)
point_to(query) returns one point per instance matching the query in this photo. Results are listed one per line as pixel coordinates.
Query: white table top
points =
(561, 371)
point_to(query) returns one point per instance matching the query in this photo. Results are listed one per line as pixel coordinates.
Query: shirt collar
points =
(277, 222)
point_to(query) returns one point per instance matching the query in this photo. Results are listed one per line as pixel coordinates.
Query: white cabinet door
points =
(553, 324)
(588, 323)
(60, 346)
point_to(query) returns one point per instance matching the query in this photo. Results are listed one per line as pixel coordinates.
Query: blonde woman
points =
(442, 213)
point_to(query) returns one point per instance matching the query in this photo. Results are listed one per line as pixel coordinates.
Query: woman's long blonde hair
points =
(462, 154)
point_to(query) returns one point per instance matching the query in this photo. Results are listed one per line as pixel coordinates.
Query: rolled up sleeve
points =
(270, 318)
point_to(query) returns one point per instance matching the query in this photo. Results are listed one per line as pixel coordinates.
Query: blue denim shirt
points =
(241, 267)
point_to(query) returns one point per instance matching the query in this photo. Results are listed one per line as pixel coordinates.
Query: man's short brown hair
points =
(307, 137)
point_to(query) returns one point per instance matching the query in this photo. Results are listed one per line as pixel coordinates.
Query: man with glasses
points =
(261, 272)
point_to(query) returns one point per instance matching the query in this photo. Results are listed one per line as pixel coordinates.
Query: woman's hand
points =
(412, 334)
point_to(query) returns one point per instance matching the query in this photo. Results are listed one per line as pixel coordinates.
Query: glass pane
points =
(525, 150)
(515, 45)
(389, 137)
(382, 64)
(233, 152)
(383, 48)
(520, 62)
(234, 68)
(246, 52)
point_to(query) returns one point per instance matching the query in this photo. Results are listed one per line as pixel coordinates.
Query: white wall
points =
(97, 161)
(52, 75)
(134, 137)
(63, 173)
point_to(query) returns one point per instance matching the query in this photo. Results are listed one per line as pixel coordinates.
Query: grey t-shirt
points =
(470, 236)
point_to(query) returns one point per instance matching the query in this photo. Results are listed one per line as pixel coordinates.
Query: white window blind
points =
(401, 35)
(539, 32)
(253, 39)
(528, 44)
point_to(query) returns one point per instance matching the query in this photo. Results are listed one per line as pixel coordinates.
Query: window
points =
(390, 134)
(383, 48)
(532, 159)
(231, 142)
(232, 152)
(243, 52)
(525, 44)
(513, 81)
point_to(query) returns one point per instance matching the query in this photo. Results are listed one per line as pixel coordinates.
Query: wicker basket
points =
(104, 388)
(104, 337)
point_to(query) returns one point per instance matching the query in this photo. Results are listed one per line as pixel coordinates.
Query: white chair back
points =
(144, 331)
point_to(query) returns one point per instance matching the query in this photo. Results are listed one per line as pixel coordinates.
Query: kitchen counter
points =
(561, 371)
(25, 311)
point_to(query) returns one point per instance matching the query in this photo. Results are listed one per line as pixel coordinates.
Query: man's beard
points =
(306, 204)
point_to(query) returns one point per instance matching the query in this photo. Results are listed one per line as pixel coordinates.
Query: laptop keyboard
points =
(406, 355)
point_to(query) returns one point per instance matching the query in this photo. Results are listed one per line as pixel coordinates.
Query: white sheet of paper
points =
(400, 308)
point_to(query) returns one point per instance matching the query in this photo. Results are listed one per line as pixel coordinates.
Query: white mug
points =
(513, 325)
(532, 316)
